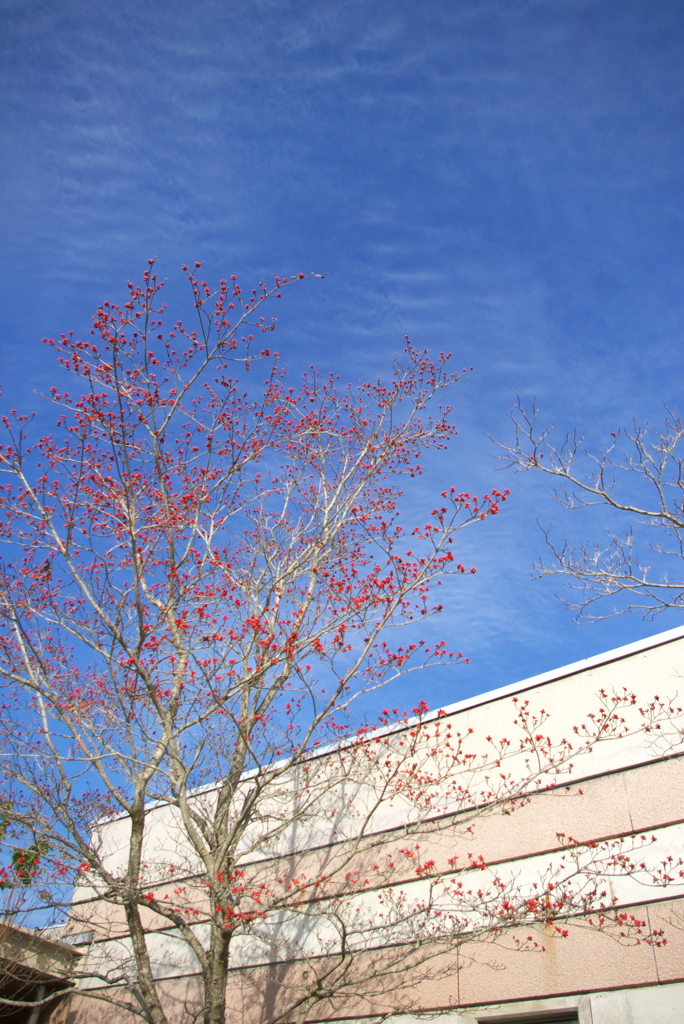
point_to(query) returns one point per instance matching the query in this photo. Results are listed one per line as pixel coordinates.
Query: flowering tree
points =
(199, 577)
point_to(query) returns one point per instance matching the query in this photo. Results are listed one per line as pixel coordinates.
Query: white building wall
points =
(620, 797)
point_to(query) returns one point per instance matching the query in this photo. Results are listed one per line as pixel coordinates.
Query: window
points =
(558, 1010)
(571, 1018)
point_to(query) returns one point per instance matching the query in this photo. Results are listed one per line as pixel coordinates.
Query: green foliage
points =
(25, 861)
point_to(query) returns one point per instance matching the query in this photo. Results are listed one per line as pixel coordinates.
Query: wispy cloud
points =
(501, 180)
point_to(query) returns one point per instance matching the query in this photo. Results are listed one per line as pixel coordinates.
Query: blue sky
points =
(500, 179)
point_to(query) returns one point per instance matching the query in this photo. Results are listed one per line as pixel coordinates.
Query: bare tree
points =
(638, 478)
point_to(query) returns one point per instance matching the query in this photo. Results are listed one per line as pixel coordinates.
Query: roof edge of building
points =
(574, 668)
(488, 697)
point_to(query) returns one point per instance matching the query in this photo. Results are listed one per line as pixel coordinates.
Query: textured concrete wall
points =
(628, 785)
